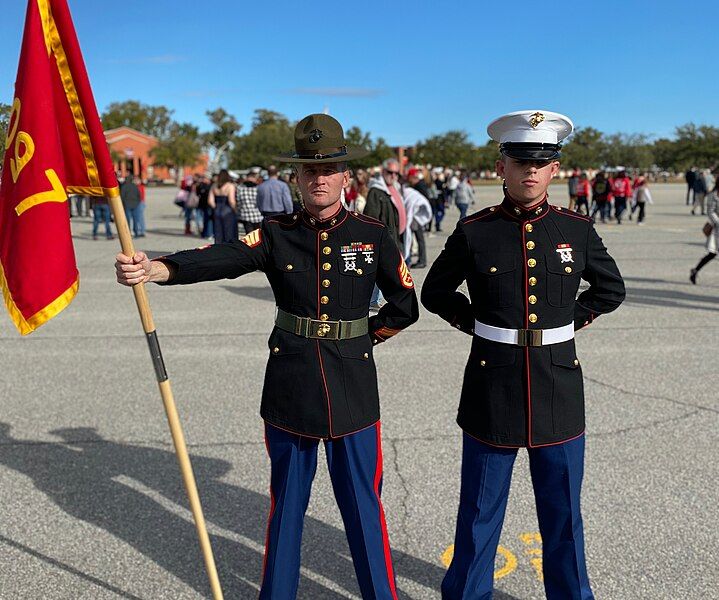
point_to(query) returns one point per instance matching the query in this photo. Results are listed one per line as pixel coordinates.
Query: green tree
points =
(378, 149)
(220, 139)
(271, 134)
(5, 110)
(584, 149)
(179, 148)
(450, 149)
(152, 120)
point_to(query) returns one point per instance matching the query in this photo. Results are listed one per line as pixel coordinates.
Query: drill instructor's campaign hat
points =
(531, 134)
(320, 138)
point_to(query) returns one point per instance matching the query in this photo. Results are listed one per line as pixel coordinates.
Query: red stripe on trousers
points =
(383, 522)
(269, 518)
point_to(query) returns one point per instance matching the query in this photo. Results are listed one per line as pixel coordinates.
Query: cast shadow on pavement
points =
(670, 298)
(106, 484)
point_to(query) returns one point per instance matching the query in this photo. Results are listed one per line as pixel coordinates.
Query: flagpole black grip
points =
(156, 355)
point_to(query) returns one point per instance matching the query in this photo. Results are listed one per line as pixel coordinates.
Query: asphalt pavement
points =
(92, 502)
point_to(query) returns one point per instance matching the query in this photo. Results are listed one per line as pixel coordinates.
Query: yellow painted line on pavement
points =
(510, 561)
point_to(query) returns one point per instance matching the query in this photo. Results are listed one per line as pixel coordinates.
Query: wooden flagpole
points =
(178, 438)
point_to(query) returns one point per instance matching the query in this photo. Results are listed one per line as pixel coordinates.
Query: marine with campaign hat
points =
(320, 383)
(523, 261)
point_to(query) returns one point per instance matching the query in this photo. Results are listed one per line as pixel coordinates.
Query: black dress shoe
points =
(418, 266)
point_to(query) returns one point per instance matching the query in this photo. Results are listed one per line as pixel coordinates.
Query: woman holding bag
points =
(711, 230)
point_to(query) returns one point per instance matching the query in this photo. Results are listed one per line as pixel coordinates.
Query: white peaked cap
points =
(530, 126)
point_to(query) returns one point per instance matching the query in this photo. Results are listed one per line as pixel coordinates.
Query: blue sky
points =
(402, 70)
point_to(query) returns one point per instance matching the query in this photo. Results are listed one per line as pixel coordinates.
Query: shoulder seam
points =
(571, 214)
(480, 216)
(368, 220)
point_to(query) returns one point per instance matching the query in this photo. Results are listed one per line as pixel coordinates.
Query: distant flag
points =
(55, 146)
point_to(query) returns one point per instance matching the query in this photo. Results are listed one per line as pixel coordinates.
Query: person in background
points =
(349, 195)
(712, 245)
(582, 195)
(452, 178)
(642, 197)
(202, 189)
(273, 195)
(361, 178)
(222, 201)
(384, 203)
(700, 189)
(439, 183)
(295, 192)
(141, 207)
(463, 194)
(621, 190)
(601, 192)
(690, 176)
(101, 214)
(573, 184)
(130, 195)
(247, 211)
(419, 213)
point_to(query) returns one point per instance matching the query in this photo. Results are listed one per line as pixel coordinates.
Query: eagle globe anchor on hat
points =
(319, 138)
(534, 135)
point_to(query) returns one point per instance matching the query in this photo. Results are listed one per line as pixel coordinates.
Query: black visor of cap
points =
(531, 150)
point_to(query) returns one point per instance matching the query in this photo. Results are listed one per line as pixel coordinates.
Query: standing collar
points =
(327, 223)
(520, 213)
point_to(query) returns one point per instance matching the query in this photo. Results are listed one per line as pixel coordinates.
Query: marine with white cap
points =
(523, 261)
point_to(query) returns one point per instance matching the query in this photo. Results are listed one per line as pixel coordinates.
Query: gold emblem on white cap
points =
(536, 119)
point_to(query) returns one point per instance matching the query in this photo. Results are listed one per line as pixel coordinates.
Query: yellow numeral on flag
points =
(56, 194)
(22, 139)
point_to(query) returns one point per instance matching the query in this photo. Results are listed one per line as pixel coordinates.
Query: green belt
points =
(323, 330)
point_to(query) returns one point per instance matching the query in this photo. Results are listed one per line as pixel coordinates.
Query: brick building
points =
(130, 151)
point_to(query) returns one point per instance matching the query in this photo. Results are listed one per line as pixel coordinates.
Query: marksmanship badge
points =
(356, 250)
(565, 252)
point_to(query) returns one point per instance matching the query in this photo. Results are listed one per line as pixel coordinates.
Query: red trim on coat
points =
(526, 348)
(509, 447)
(327, 391)
(569, 213)
(368, 220)
(315, 437)
(383, 522)
(269, 517)
(481, 216)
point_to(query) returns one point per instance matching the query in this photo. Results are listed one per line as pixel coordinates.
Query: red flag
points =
(55, 146)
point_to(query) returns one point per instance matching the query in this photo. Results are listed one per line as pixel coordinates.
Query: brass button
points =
(324, 300)
(275, 350)
(532, 299)
(567, 269)
(483, 363)
(326, 266)
(366, 355)
(359, 271)
(532, 281)
(326, 250)
(530, 245)
(532, 263)
(324, 235)
(493, 269)
(289, 267)
(528, 227)
(532, 318)
(375, 341)
(325, 283)
(576, 362)
(323, 317)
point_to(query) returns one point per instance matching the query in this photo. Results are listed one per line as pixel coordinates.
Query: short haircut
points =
(271, 170)
(389, 161)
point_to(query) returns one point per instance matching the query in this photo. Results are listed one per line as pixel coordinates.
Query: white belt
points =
(524, 337)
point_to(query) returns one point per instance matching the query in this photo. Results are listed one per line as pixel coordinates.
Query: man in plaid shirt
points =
(247, 212)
